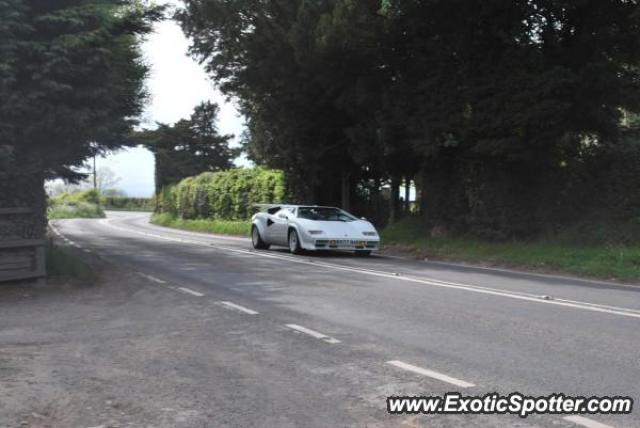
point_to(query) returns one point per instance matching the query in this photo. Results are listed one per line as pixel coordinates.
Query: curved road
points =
(357, 330)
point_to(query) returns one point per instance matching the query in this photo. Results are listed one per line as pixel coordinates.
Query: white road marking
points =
(87, 251)
(585, 422)
(528, 297)
(431, 374)
(190, 291)
(614, 310)
(313, 333)
(151, 278)
(234, 307)
(517, 272)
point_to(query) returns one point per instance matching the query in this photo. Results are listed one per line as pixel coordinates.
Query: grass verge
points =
(62, 264)
(222, 227)
(606, 261)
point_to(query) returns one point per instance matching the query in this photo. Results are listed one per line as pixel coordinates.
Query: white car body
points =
(315, 227)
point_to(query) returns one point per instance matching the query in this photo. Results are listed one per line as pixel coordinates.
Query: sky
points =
(177, 84)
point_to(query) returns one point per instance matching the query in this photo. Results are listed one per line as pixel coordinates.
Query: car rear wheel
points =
(294, 242)
(363, 253)
(256, 239)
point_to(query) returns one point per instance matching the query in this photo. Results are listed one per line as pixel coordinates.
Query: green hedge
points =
(88, 196)
(128, 204)
(226, 195)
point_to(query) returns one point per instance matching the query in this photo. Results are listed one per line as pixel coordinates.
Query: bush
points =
(128, 204)
(84, 204)
(79, 210)
(226, 195)
(89, 196)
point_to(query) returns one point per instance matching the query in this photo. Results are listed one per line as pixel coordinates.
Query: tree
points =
(292, 66)
(71, 80)
(501, 97)
(488, 100)
(106, 180)
(189, 147)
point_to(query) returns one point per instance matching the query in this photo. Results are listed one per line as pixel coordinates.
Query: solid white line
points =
(593, 307)
(466, 287)
(431, 374)
(313, 333)
(586, 422)
(189, 291)
(234, 307)
(151, 278)
(518, 272)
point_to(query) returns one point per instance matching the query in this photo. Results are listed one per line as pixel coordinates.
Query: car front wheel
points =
(294, 242)
(256, 239)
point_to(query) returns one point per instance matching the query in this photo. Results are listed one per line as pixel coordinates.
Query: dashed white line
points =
(87, 251)
(234, 307)
(431, 374)
(151, 278)
(586, 422)
(190, 291)
(313, 333)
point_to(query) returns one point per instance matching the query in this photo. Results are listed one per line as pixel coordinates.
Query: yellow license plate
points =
(333, 244)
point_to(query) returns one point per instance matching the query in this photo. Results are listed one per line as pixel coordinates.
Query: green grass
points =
(74, 210)
(222, 227)
(552, 254)
(62, 264)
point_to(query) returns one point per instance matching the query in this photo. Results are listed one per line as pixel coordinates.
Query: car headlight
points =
(369, 233)
(314, 232)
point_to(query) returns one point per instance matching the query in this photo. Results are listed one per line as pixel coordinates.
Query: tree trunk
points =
(345, 190)
(407, 194)
(417, 184)
(393, 200)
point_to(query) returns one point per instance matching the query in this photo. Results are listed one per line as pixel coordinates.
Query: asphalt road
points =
(318, 331)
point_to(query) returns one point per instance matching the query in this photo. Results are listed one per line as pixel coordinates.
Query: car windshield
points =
(324, 214)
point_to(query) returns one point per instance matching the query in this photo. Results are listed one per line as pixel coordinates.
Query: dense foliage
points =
(189, 147)
(226, 195)
(125, 203)
(494, 109)
(71, 79)
(84, 204)
(71, 85)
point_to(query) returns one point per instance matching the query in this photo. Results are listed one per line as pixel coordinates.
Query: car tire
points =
(363, 253)
(256, 239)
(294, 242)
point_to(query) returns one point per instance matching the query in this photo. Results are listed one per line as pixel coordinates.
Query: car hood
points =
(338, 229)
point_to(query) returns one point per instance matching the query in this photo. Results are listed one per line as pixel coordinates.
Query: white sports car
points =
(303, 227)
